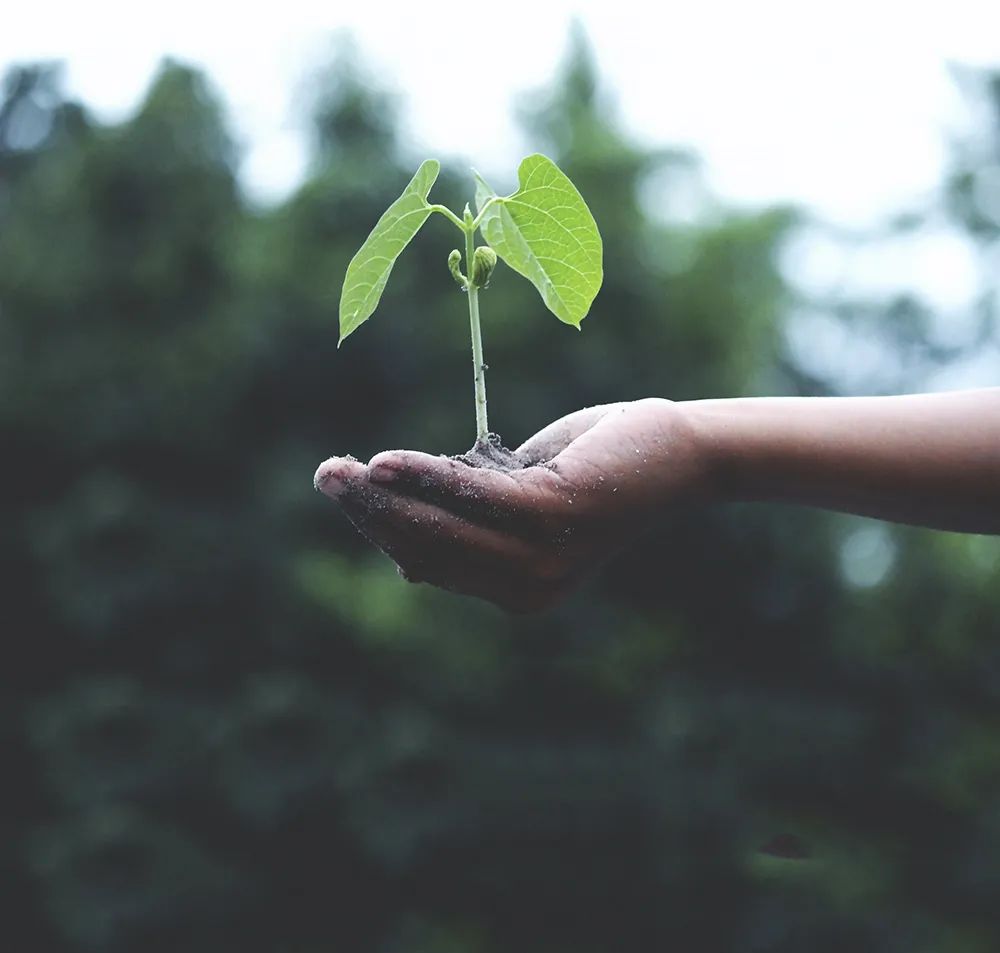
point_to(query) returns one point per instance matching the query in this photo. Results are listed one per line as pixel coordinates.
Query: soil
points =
(491, 454)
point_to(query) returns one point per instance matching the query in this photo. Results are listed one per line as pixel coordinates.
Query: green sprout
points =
(543, 231)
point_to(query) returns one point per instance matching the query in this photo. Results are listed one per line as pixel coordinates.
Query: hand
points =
(523, 539)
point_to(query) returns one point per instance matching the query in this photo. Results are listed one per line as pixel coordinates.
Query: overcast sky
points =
(845, 106)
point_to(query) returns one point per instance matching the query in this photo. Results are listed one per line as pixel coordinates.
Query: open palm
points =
(522, 539)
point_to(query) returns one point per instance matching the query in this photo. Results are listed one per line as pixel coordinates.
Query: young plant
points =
(543, 231)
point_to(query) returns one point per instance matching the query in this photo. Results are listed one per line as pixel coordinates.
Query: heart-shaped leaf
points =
(370, 267)
(545, 232)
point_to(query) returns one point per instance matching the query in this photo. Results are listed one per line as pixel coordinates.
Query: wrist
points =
(715, 429)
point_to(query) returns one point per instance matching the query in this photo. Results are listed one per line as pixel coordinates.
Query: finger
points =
(426, 540)
(434, 546)
(515, 502)
(603, 453)
(334, 475)
(554, 438)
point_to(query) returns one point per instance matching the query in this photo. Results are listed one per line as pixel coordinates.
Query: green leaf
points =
(369, 269)
(545, 232)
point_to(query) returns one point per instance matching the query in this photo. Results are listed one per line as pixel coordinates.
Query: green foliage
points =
(545, 232)
(230, 726)
(370, 268)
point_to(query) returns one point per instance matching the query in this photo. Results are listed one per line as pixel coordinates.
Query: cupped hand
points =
(591, 483)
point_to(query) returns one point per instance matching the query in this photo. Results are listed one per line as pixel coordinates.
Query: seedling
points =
(543, 231)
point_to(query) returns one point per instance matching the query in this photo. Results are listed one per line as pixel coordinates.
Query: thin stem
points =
(449, 214)
(484, 210)
(482, 426)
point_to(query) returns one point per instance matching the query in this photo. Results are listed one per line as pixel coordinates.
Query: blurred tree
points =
(231, 726)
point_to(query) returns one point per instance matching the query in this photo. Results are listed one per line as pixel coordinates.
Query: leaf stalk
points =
(448, 214)
(482, 212)
(482, 424)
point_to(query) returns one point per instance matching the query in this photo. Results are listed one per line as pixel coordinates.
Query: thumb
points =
(550, 441)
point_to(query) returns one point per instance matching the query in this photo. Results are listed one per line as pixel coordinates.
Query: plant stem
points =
(482, 212)
(482, 427)
(448, 214)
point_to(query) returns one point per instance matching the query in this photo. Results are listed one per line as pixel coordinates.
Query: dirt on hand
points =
(491, 454)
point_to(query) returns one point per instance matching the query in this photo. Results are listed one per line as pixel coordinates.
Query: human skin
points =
(598, 478)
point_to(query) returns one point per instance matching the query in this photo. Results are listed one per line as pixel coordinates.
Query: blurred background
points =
(228, 725)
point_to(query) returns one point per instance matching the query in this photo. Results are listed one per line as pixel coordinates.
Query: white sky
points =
(845, 107)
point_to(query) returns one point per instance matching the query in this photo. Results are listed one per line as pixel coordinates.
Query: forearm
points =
(927, 459)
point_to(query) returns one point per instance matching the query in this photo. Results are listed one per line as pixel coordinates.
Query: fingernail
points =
(326, 479)
(382, 473)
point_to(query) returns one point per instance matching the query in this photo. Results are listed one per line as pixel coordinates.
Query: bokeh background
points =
(228, 725)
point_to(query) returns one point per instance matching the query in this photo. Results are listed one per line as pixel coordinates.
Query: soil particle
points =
(491, 454)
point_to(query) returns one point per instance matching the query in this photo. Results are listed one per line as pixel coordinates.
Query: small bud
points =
(484, 260)
(455, 267)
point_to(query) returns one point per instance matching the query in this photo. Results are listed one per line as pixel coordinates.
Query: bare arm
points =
(928, 459)
(596, 479)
